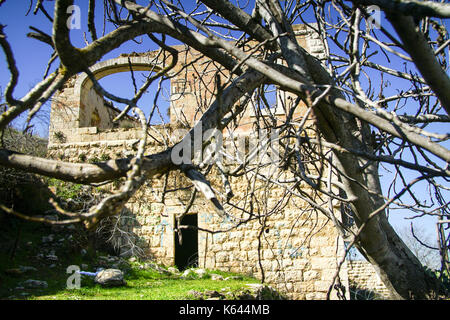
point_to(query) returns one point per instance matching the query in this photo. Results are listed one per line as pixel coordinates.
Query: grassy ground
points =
(142, 283)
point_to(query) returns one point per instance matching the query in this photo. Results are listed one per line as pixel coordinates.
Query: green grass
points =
(142, 284)
(143, 289)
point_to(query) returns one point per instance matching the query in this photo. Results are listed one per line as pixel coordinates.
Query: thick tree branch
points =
(240, 18)
(423, 56)
(11, 66)
(411, 7)
(177, 30)
(202, 185)
(91, 20)
(152, 164)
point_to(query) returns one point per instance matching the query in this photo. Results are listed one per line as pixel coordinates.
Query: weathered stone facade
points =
(295, 250)
(365, 281)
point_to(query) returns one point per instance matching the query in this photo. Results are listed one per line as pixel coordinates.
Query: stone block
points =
(245, 245)
(157, 208)
(310, 296)
(322, 263)
(322, 285)
(305, 287)
(222, 257)
(293, 276)
(327, 251)
(88, 130)
(268, 254)
(310, 275)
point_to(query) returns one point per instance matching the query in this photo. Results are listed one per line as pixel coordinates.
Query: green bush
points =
(65, 190)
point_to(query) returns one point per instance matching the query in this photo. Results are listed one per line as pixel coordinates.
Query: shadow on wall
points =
(117, 236)
(124, 234)
(139, 233)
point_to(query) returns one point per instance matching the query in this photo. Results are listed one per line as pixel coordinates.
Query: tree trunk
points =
(398, 268)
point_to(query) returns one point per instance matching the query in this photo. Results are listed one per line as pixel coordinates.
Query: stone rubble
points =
(34, 284)
(252, 291)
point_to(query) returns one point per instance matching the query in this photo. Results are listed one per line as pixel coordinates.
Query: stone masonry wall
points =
(295, 249)
(298, 249)
(365, 281)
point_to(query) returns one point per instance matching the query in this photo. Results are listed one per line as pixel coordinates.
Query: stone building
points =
(295, 250)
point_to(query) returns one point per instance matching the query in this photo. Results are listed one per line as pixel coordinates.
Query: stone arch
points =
(92, 108)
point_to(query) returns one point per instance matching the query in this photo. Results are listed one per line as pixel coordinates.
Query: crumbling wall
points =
(294, 249)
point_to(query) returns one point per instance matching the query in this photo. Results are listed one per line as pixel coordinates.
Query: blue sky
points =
(32, 56)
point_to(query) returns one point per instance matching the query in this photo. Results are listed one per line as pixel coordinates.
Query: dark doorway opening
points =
(186, 253)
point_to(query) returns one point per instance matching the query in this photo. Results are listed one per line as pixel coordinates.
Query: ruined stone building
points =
(296, 251)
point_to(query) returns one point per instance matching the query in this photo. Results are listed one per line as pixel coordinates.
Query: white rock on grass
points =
(201, 273)
(216, 277)
(173, 270)
(189, 274)
(110, 278)
(234, 278)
